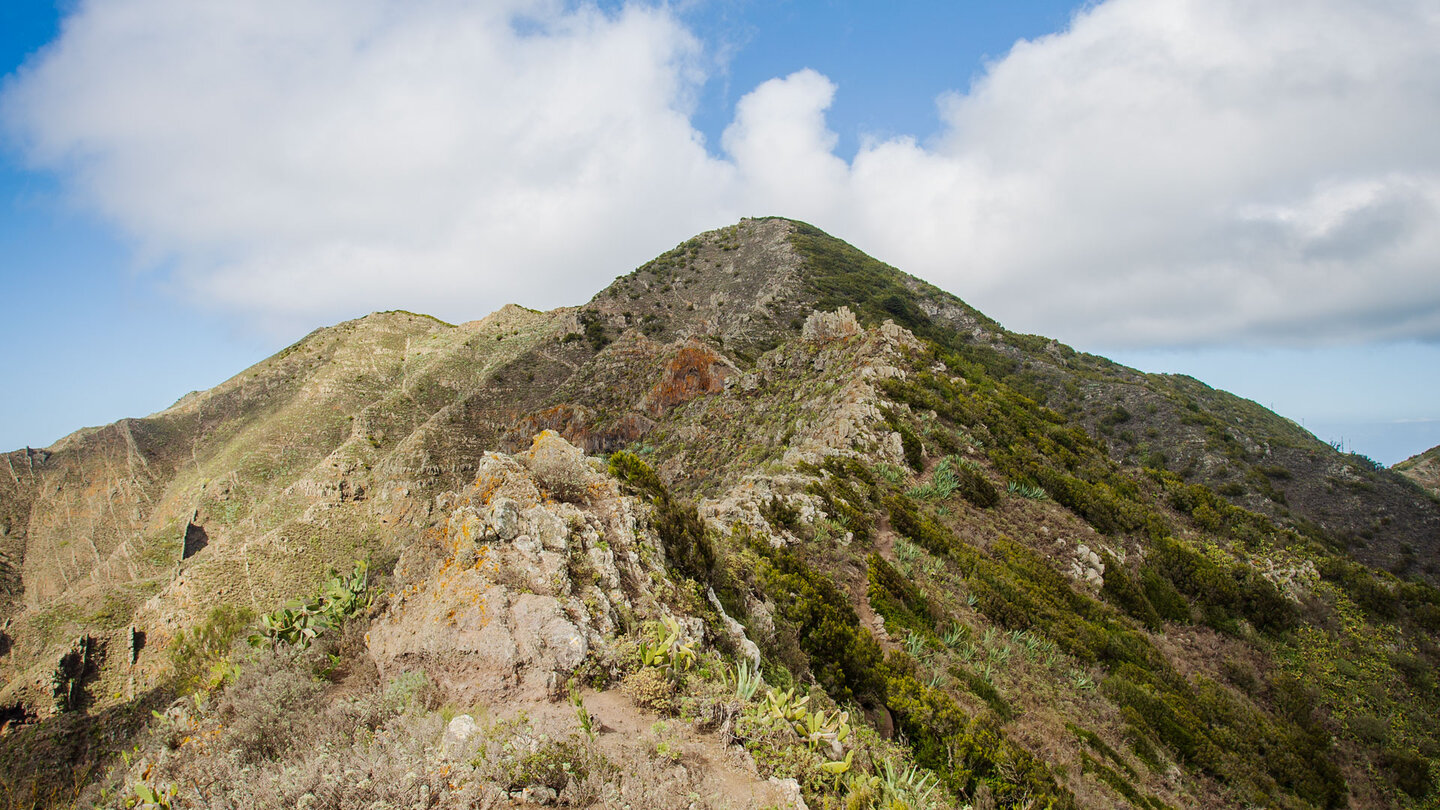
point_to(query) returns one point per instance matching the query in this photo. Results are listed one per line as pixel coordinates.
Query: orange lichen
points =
(694, 371)
(487, 489)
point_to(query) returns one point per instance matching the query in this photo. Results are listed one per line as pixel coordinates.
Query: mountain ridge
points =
(793, 389)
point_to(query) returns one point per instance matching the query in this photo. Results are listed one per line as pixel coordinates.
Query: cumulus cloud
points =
(316, 159)
(1163, 172)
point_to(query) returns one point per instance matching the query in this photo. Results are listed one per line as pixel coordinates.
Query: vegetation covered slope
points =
(1030, 577)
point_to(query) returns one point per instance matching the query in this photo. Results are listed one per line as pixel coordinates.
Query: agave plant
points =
(915, 645)
(1028, 490)
(906, 551)
(1033, 645)
(747, 680)
(910, 787)
(954, 636)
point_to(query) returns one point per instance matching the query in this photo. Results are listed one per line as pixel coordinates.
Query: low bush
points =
(272, 705)
(841, 655)
(1223, 592)
(1122, 592)
(1408, 771)
(907, 519)
(199, 657)
(982, 689)
(909, 442)
(898, 602)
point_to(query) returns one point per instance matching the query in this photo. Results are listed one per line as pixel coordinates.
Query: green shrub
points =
(689, 549)
(841, 655)
(780, 514)
(1163, 597)
(898, 602)
(553, 764)
(1118, 783)
(909, 442)
(628, 467)
(199, 656)
(1408, 771)
(1222, 591)
(1093, 740)
(687, 545)
(1166, 714)
(1098, 503)
(1122, 592)
(595, 333)
(975, 489)
(1362, 586)
(1116, 416)
(982, 689)
(650, 689)
(921, 529)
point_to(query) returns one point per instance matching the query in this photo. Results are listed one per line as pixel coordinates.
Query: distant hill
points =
(1423, 469)
(1032, 577)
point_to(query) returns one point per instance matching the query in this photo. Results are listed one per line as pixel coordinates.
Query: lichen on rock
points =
(527, 584)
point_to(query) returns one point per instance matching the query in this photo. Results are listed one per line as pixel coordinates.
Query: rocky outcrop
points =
(694, 371)
(541, 554)
(823, 327)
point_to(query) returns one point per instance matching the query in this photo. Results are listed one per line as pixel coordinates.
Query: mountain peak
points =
(814, 461)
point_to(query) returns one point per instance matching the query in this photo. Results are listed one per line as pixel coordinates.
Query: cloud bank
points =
(1161, 173)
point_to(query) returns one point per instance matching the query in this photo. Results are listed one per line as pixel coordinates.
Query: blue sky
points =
(1203, 188)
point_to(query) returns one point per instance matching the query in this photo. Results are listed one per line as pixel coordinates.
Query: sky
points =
(1246, 193)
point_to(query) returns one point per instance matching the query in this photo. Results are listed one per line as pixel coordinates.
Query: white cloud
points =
(315, 159)
(1164, 172)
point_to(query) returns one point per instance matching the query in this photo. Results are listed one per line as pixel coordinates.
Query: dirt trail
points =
(859, 596)
(722, 774)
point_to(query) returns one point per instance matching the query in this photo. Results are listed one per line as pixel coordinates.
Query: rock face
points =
(822, 327)
(694, 371)
(539, 554)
